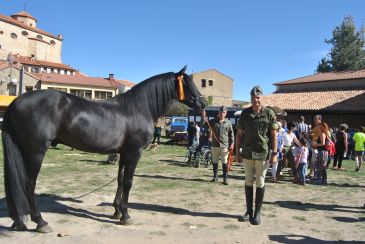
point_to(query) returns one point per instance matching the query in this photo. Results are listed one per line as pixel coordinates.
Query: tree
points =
(178, 109)
(347, 52)
(324, 66)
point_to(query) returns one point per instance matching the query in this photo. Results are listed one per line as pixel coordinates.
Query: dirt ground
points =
(178, 214)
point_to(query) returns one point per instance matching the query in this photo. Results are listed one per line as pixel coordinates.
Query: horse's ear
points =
(182, 71)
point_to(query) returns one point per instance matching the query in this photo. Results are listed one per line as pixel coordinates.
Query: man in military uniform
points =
(256, 131)
(221, 135)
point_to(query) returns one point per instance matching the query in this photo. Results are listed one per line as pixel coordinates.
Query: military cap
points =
(256, 91)
(223, 108)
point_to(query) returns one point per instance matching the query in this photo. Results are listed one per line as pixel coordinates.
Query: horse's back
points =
(38, 112)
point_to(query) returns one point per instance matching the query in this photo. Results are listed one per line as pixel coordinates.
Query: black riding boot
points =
(225, 174)
(258, 201)
(215, 173)
(249, 203)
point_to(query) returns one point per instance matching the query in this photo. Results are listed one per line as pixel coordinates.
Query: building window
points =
(57, 89)
(35, 70)
(52, 42)
(13, 35)
(210, 83)
(24, 33)
(39, 37)
(204, 83)
(28, 88)
(12, 89)
(103, 95)
(1, 32)
(81, 93)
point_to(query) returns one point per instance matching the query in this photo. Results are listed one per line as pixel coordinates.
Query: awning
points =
(6, 100)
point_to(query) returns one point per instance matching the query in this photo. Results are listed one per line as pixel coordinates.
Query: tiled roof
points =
(127, 83)
(30, 61)
(10, 20)
(4, 64)
(77, 79)
(344, 100)
(24, 14)
(330, 76)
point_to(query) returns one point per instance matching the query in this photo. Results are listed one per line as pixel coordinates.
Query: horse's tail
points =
(17, 187)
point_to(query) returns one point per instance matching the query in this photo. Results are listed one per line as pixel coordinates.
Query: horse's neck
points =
(157, 101)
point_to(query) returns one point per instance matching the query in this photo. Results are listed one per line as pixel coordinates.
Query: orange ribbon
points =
(180, 88)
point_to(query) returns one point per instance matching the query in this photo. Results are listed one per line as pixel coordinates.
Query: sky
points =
(257, 42)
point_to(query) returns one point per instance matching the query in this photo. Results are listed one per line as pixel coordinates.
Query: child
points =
(302, 160)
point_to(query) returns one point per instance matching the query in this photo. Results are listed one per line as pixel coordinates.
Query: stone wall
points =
(18, 40)
(9, 81)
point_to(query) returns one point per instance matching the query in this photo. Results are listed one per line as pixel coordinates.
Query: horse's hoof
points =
(116, 215)
(18, 227)
(126, 220)
(44, 229)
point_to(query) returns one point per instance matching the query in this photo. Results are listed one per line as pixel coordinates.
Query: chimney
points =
(111, 76)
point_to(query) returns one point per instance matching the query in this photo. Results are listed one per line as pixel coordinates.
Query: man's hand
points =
(231, 147)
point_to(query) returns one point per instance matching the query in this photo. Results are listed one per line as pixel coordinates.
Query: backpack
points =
(330, 147)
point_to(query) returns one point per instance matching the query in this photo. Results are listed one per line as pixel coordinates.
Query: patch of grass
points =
(201, 225)
(186, 224)
(63, 221)
(231, 227)
(158, 233)
(300, 218)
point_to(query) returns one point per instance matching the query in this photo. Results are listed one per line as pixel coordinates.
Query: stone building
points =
(338, 96)
(30, 59)
(216, 87)
(14, 81)
(19, 35)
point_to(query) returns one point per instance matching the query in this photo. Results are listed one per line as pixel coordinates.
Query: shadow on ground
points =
(322, 207)
(299, 239)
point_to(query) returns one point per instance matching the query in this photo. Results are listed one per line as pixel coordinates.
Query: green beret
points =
(256, 91)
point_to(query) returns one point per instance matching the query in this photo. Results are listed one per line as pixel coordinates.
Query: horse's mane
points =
(151, 96)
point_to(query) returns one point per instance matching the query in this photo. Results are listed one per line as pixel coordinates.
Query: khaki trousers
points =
(256, 168)
(219, 153)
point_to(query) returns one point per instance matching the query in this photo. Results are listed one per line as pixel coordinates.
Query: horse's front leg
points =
(131, 159)
(118, 195)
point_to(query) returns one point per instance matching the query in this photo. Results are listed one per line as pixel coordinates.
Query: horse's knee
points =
(127, 185)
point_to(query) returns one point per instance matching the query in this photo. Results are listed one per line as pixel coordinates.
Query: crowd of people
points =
(310, 150)
(263, 141)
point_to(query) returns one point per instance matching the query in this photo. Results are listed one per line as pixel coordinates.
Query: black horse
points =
(123, 124)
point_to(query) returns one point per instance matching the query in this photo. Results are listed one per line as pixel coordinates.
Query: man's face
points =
(222, 114)
(256, 100)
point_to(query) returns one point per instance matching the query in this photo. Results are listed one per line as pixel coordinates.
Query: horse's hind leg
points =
(118, 195)
(35, 214)
(131, 160)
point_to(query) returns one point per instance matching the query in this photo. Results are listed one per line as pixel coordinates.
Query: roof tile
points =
(77, 79)
(345, 100)
(330, 76)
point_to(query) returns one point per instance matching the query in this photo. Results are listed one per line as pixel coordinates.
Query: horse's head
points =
(187, 91)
